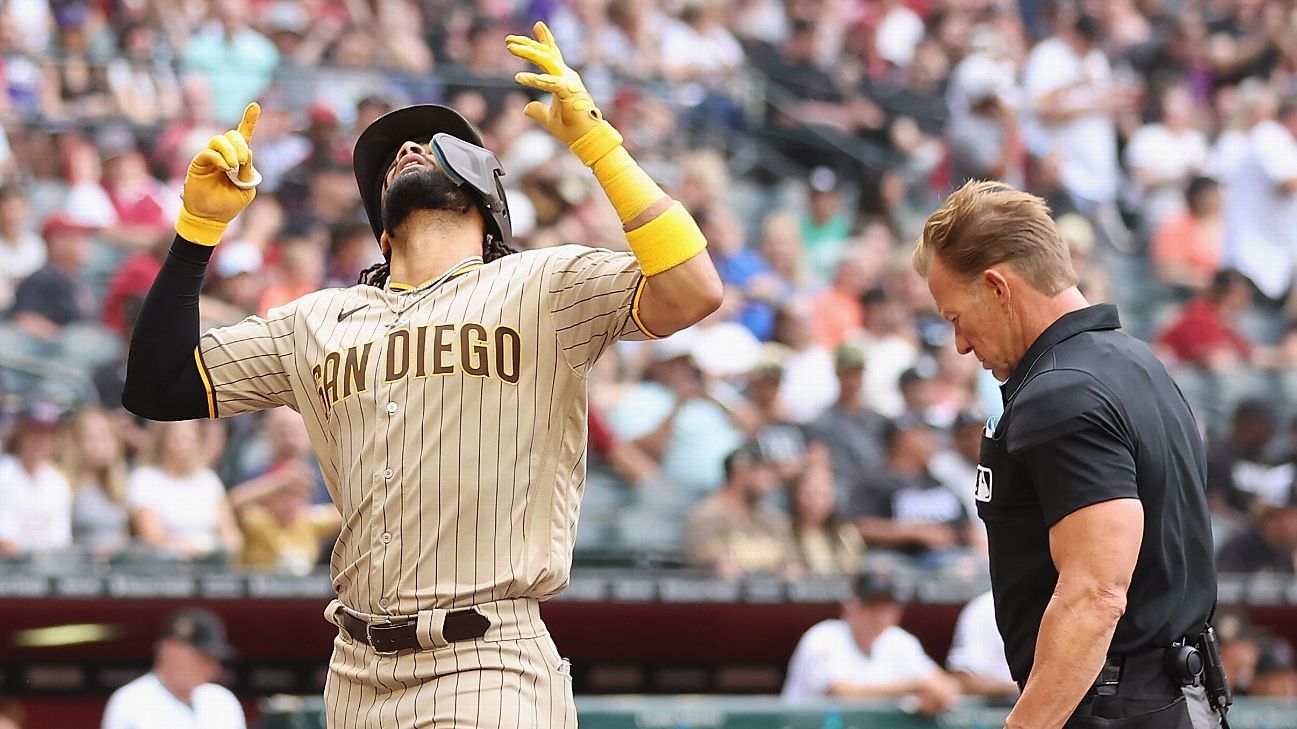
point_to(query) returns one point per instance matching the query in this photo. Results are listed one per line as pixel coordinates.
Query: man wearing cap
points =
(55, 296)
(445, 395)
(1091, 482)
(850, 428)
(180, 692)
(903, 507)
(732, 533)
(866, 655)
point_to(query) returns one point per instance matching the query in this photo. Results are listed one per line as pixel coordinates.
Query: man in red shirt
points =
(1204, 334)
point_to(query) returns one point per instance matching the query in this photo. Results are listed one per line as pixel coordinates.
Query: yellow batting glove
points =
(220, 183)
(572, 117)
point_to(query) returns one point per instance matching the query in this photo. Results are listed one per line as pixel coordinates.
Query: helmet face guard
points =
(458, 148)
(468, 164)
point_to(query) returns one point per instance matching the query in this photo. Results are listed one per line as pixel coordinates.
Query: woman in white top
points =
(94, 461)
(177, 503)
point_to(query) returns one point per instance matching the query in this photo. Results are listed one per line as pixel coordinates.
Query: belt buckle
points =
(374, 637)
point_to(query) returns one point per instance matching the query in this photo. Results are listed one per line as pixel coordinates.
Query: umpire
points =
(1091, 483)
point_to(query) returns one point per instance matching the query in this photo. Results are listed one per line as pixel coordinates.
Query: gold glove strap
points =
(199, 230)
(596, 143)
(628, 187)
(666, 241)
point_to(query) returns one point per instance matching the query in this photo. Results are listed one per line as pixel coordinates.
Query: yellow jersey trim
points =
(207, 384)
(634, 308)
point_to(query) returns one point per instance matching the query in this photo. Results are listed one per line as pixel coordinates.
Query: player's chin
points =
(424, 188)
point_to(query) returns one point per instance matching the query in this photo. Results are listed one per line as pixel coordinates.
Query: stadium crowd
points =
(823, 413)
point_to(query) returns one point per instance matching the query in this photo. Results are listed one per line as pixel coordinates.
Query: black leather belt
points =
(389, 638)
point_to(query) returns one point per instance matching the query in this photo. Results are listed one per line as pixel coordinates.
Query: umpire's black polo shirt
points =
(1090, 415)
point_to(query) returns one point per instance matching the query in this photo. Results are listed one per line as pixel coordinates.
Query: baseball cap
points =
(38, 414)
(980, 77)
(770, 362)
(904, 424)
(58, 224)
(875, 587)
(201, 629)
(745, 456)
(115, 141)
(922, 371)
(849, 357)
(237, 257)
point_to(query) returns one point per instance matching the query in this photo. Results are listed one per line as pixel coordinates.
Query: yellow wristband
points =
(666, 241)
(594, 144)
(199, 230)
(628, 187)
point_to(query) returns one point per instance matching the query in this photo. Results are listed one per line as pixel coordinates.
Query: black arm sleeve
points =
(162, 377)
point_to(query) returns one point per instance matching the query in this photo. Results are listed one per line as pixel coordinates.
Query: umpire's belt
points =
(427, 629)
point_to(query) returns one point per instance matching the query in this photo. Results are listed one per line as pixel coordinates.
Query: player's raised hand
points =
(219, 183)
(572, 111)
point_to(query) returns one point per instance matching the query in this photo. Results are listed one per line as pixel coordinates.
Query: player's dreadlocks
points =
(378, 274)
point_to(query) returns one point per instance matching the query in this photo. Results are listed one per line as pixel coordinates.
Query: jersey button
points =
(391, 407)
(387, 537)
(382, 602)
(387, 473)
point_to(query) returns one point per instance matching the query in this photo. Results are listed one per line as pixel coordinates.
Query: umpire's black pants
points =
(1146, 702)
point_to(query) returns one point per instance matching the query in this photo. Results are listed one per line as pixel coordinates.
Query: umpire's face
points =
(980, 312)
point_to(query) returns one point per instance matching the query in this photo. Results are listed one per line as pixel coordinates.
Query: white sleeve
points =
(114, 715)
(140, 488)
(1277, 152)
(809, 670)
(963, 646)
(911, 660)
(1045, 72)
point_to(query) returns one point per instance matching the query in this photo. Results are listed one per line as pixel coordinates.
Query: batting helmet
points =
(459, 150)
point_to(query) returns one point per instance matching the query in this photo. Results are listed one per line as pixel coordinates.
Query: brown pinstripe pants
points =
(512, 677)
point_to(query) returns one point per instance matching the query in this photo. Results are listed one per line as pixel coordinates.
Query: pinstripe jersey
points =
(449, 419)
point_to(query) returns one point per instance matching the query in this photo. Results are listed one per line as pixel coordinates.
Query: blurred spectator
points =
(1163, 156)
(301, 269)
(237, 61)
(671, 418)
(282, 530)
(1241, 471)
(699, 57)
(144, 87)
(1269, 546)
(22, 252)
(35, 499)
(732, 533)
(903, 507)
(782, 248)
(826, 543)
(809, 386)
(918, 390)
(1276, 672)
(94, 462)
(281, 443)
(1073, 97)
(1186, 248)
(890, 344)
(180, 690)
(836, 311)
(741, 269)
(1079, 234)
(983, 130)
(976, 659)
(1259, 200)
(955, 465)
(56, 295)
(825, 224)
(178, 504)
(131, 283)
(866, 655)
(1204, 335)
(75, 84)
(850, 429)
(235, 284)
(145, 208)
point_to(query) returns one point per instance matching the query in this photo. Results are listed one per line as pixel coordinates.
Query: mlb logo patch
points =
(984, 477)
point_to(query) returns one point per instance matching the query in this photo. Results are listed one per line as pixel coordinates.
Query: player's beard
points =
(421, 189)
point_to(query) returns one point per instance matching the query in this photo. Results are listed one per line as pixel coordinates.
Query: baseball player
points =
(445, 395)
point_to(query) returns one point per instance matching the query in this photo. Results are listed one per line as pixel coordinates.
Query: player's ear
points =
(385, 244)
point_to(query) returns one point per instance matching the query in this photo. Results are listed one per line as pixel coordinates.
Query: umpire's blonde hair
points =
(986, 223)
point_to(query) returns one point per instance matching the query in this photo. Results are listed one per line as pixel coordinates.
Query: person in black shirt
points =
(1091, 482)
(1268, 546)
